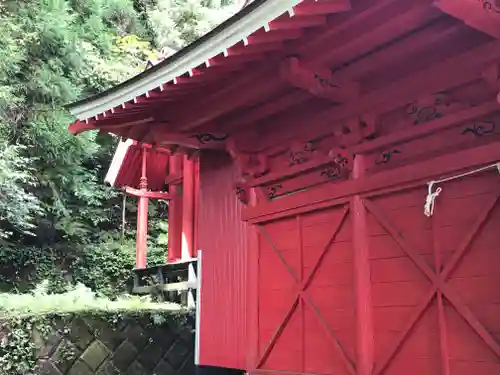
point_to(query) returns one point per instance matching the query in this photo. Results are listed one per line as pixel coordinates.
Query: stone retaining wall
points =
(132, 346)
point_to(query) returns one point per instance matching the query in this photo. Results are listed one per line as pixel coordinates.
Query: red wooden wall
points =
(431, 296)
(223, 240)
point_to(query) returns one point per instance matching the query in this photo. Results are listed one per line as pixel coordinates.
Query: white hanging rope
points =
(433, 194)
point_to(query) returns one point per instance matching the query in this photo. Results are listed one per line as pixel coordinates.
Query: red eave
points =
(257, 46)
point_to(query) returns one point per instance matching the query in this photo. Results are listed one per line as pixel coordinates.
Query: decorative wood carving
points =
(204, 138)
(386, 156)
(341, 166)
(318, 82)
(428, 108)
(481, 128)
(490, 6)
(272, 191)
(197, 141)
(301, 152)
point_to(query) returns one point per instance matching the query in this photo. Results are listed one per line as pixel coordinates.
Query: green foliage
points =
(180, 22)
(58, 221)
(78, 299)
(57, 218)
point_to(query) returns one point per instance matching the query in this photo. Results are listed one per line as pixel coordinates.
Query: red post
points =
(187, 208)
(175, 211)
(142, 217)
(364, 323)
(196, 161)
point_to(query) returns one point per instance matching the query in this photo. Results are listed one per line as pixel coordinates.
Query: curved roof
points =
(253, 17)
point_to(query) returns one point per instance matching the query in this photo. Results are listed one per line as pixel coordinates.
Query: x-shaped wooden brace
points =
(302, 294)
(438, 280)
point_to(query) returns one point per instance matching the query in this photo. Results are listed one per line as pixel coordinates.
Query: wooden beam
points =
(256, 84)
(297, 22)
(250, 49)
(78, 126)
(260, 112)
(147, 194)
(318, 82)
(373, 184)
(455, 71)
(362, 283)
(412, 44)
(321, 8)
(270, 36)
(366, 13)
(390, 27)
(480, 15)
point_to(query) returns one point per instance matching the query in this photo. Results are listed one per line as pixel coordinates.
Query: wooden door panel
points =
(308, 261)
(432, 298)
(434, 302)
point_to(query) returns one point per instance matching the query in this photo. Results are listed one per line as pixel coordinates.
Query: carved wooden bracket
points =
(318, 82)
(341, 166)
(300, 152)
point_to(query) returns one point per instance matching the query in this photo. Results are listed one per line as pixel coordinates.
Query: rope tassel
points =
(432, 194)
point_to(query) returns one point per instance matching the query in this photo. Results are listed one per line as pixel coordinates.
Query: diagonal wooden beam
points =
(331, 334)
(470, 318)
(285, 263)
(278, 332)
(405, 246)
(317, 264)
(398, 342)
(469, 236)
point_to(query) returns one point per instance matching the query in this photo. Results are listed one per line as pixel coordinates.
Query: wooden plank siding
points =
(222, 238)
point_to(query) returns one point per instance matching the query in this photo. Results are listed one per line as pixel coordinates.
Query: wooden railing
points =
(175, 282)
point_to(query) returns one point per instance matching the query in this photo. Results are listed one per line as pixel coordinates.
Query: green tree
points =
(57, 218)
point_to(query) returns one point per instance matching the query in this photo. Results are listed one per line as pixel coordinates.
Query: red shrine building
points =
(333, 166)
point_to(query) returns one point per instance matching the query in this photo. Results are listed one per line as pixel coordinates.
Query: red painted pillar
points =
(364, 317)
(187, 208)
(142, 217)
(175, 211)
(196, 161)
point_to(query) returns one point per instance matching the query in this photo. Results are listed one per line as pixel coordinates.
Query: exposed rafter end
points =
(318, 82)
